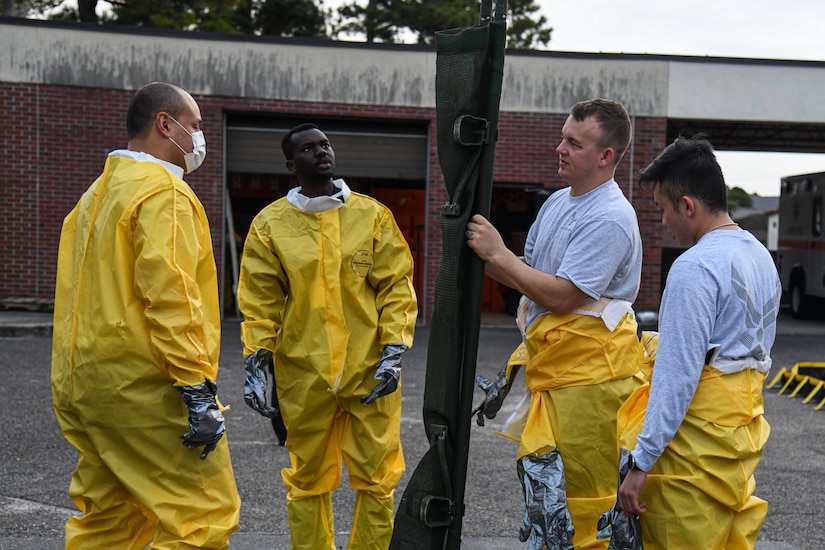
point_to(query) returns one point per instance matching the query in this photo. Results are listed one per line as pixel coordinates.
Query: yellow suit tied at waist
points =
(709, 463)
(567, 351)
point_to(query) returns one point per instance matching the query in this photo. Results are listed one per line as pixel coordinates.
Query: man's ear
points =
(690, 204)
(162, 123)
(607, 157)
(290, 165)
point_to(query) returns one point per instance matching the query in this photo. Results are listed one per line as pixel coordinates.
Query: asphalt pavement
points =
(36, 462)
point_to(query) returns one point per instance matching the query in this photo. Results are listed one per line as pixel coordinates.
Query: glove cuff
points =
(200, 393)
(259, 359)
(390, 362)
(391, 350)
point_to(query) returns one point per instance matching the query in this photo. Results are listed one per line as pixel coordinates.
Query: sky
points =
(763, 29)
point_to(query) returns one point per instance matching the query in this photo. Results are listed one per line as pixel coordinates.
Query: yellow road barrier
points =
(802, 374)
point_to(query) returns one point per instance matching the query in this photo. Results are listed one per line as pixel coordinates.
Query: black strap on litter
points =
(469, 72)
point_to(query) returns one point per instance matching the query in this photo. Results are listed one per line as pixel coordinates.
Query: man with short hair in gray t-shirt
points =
(580, 275)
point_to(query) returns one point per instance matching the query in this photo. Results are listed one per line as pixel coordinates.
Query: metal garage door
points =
(387, 151)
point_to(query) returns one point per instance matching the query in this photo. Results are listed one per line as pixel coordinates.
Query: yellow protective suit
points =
(648, 350)
(325, 292)
(579, 373)
(708, 467)
(136, 313)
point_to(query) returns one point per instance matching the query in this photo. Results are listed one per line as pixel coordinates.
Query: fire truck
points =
(801, 248)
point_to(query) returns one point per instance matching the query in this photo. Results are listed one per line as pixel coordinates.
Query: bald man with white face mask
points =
(136, 344)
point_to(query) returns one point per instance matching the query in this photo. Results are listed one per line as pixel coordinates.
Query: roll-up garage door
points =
(372, 153)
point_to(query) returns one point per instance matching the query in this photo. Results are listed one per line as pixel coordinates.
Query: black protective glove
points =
(546, 520)
(495, 390)
(388, 371)
(254, 387)
(206, 424)
(625, 533)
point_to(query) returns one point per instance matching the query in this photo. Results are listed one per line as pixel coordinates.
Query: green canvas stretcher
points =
(469, 73)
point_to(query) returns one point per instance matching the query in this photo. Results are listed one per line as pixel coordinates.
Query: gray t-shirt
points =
(591, 240)
(722, 295)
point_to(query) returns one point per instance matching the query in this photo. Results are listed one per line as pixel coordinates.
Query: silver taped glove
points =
(495, 392)
(206, 423)
(388, 371)
(254, 387)
(625, 533)
(546, 520)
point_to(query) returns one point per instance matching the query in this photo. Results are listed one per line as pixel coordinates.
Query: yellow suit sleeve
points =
(392, 277)
(169, 237)
(262, 293)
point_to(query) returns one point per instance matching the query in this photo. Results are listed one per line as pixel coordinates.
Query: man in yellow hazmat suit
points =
(696, 433)
(579, 276)
(136, 344)
(326, 292)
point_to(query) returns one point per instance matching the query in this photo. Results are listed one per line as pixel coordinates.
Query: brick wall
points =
(649, 140)
(18, 109)
(54, 144)
(56, 140)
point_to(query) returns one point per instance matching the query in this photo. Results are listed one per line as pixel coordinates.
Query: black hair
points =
(286, 142)
(688, 166)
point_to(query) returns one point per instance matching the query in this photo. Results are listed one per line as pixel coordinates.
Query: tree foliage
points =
(288, 18)
(260, 17)
(376, 20)
(526, 28)
(393, 20)
(738, 198)
(26, 8)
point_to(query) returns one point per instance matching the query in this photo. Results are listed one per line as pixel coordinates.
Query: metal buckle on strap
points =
(438, 511)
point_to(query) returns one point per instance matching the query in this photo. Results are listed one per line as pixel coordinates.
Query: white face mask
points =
(194, 159)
